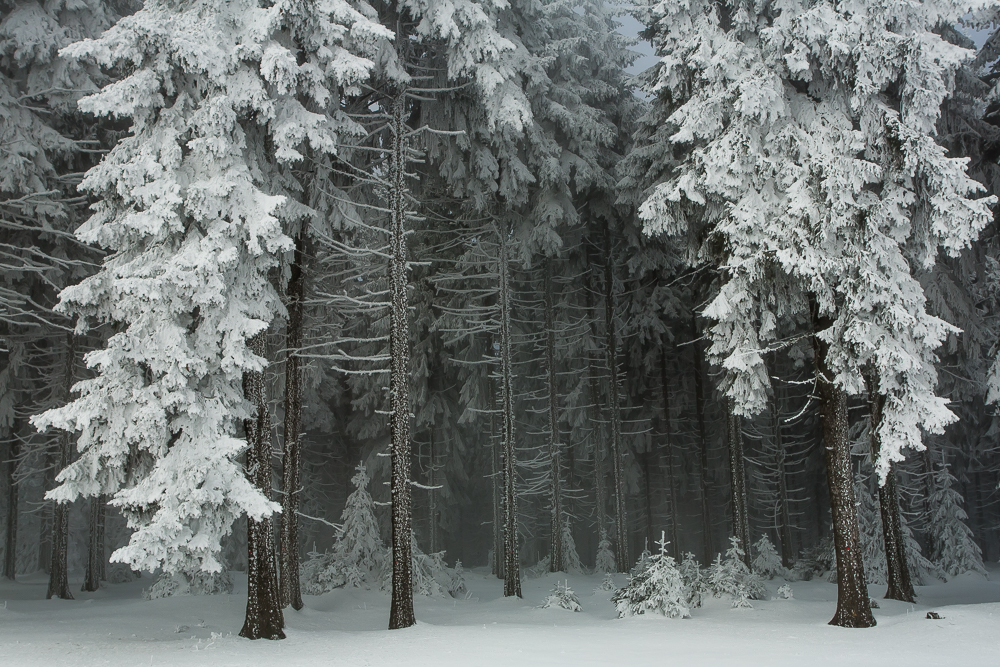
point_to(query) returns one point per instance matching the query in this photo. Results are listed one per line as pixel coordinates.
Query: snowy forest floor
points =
(115, 626)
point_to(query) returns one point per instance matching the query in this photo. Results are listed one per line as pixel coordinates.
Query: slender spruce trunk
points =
(291, 464)
(264, 619)
(614, 407)
(401, 611)
(784, 509)
(900, 585)
(496, 477)
(699, 407)
(95, 545)
(668, 451)
(58, 570)
(600, 490)
(853, 604)
(738, 479)
(13, 452)
(555, 473)
(432, 506)
(512, 563)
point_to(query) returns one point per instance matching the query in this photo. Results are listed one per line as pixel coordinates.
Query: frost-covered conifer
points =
(656, 588)
(813, 178)
(562, 596)
(733, 578)
(458, 586)
(571, 560)
(695, 584)
(954, 548)
(870, 530)
(922, 569)
(767, 562)
(605, 562)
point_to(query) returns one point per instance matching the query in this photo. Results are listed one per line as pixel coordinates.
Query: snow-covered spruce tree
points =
(605, 560)
(870, 528)
(563, 597)
(695, 582)
(732, 577)
(656, 588)
(766, 563)
(570, 558)
(954, 548)
(827, 102)
(187, 209)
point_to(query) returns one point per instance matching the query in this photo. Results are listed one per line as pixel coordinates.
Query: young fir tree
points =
(655, 588)
(732, 577)
(870, 529)
(766, 563)
(954, 548)
(187, 207)
(794, 179)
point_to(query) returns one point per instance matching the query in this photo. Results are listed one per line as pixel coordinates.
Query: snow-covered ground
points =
(115, 626)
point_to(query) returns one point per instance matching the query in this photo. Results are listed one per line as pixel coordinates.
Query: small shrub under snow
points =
(562, 596)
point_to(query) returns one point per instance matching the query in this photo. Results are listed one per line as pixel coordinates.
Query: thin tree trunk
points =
(600, 491)
(853, 605)
(497, 472)
(432, 494)
(900, 585)
(13, 452)
(669, 451)
(784, 510)
(291, 465)
(264, 619)
(555, 481)
(95, 545)
(512, 563)
(699, 404)
(614, 404)
(58, 574)
(401, 612)
(738, 479)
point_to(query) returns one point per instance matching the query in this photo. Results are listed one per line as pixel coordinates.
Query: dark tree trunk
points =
(401, 612)
(512, 561)
(13, 452)
(291, 466)
(600, 490)
(264, 619)
(95, 545)
(614, 406)
(58, 574)
(699, 405)
(738, 478)
(900, 585)
(555, 472)
(497, 471)
(668, 451)
(784, 510)
(853, 604)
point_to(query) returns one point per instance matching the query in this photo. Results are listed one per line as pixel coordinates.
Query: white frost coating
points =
(813, 175)
(194, 228)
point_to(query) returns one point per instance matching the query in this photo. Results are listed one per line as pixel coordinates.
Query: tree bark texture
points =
(738, 479)
(668, 451)
(784, 509)
(401, 611)
(699, 405)
(13, 452)
(853, 604)
(95, 545)
(264, 619)
(291, 465)
(614, 407)
(58, 574)
(900, 585)
(555, 473)
(512, 561)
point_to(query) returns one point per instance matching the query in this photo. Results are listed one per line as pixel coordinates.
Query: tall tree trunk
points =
(512, 562)
(784, 510)
(13, 452)
(738, 478)
(58, 570)
(614, 406)
(432, 508)
(264, 619)
(699, 408)
(600, 490)
(401, 612)
(555, 481)
(853, 605)
(668, 452)
(95, 545)
(900, 585)
(496, 477)
(291, 464)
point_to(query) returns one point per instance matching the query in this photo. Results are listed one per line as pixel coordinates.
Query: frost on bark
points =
(784, 510)
(291, 592)
(496, 479)
(95, 545)
(58, 575)
(512, 563)
(401, 612)
(853, 605)
(555, 482)
(614, 407)
(738, 478)
(13, 452)
(264, 619)
(900, 585)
